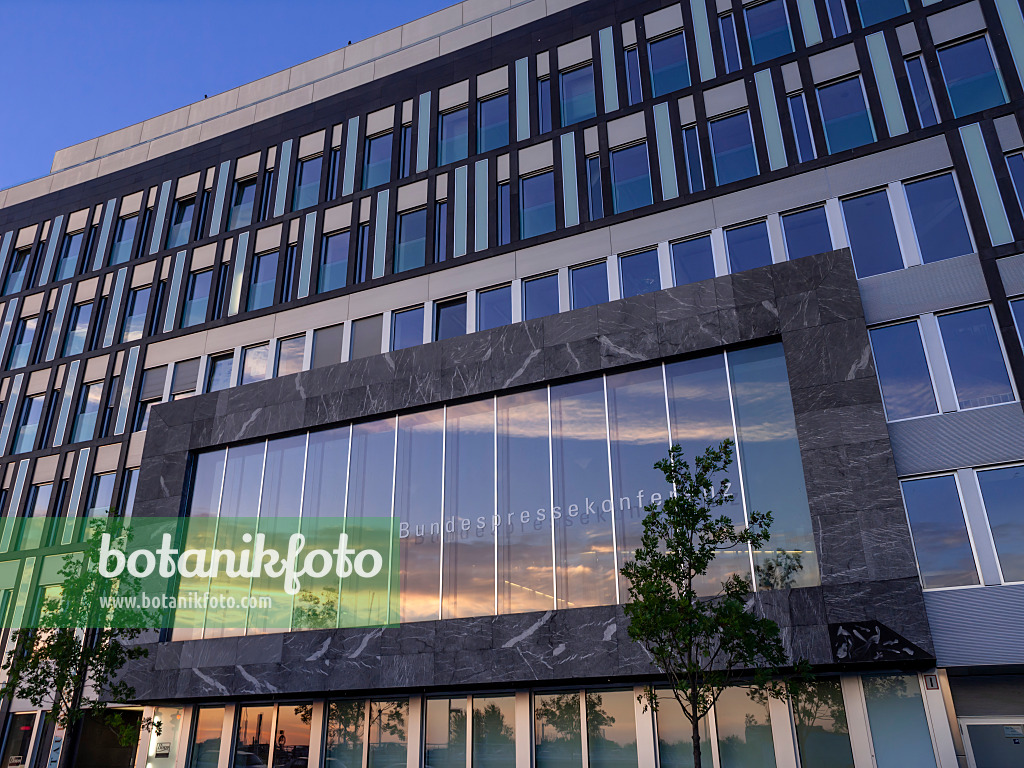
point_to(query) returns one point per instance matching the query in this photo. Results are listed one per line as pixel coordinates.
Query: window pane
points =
(254, 363)
(633, 88)
(494, 735)
(17, 271)
(377, 163)
(768, 31)
(345, 728)
(24, 333)
(733, 148)
(874, 11)
(494, 308)
(558, 739)
(837, 17)
(899, 726)
(822, 731)
(69, 252)
(367, 334)
(938, 218)
(307, 183)
(806, 233)
(181, 222)
(744, 730)
(220, 373)
(845, 115)
(254, 736)
(544, 104)
(135, 316)
(449, 319)
(727, 27)
(692, 260)
(446, 733)
(971, 77)
(453, 137)
(263, 283)
(242, 198)
(691, 152)
(872, 234)
(944, 554)
(748, 246)
(595, 193)
(588, 285)
(902, 371)
(540, 297)
(669, 70)
(441, 230)
(975, 358)
(801, 128)
(675, 741)
(290, 353)
(411, 241)
(205, 750)
(631, 178)
(78, 329)
(922, 94)
(405, 150)
(88, 408)
(387, 740)
(492, 128)
(407, 328)
(197, 296)
(124, 237)
(537, 205)
(578, 98)
(333, 262)
(611, 729)
(504, 217)
(1002, 490)
(293, 731)
(31, 413)
(639, 273)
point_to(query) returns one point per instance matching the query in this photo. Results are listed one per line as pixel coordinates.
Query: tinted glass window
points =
(921, 92)
(307, 183)
(181, 222)
(693, 261)
(595, 194)
(806, 233)
(975, 358)
(124, 237)
(242, 198)
(377, 161)
(1016, 165)
(290, 353)
(78, 329)
(902, 371)
(971, 77)
(691, 153)
(639, 273)
(872, 234)
(748, 246)
(544, 104)
(494, 308)
(69, 251)
(504, 214)
(768, 31)
(367, 333)
(220, 373)
(254, 363)
(733, 148)
(874, 11)
(492, 123)
(837, 17)
(589, 285)
(17, 271)
(801, 128)
(333, 262)
(938, 218)
(577, 95)
(845, 115)
(197, 297)
(449, 319)
(24, 334)
(411, 241)
(631, 178)
(944, 554)
(264, 280)
(88, 408)
(31, 412)
(407, 328)
(135, 315)
(633, 88)
(669, 70)
(540, 297)
(731, 52)
(1002, 490)
(537, 205)
(453, 137)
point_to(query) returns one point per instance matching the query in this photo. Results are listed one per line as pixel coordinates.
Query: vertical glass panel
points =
(469, 545)
(938, 218)
(101, 495)
(639, 273)
(254, 736)
(845, 115)
(386, 734)
(135, 315)
(88, 409)
(333, 262)
(806, 233)
(588, 285)
(17, 271)
(449, 319)
(1016, 165)
(544, 104)
(307, 183)
(975, 358)
(872, 234)
(944, 554)
(634, 90)
(874, 11)
(197, 297)
(494, 308)
(691, 153)
(768, 30)
(407, 328)
(362, 269)
(595, 192)
(525, 576)
(205, 748)
(584, 560)
(773, 475)
(446, 734)
(540, 297)
(899, 726)
(411, 241)
(290, 353)
(405, 151)
(801, 128)
(631, 178)
(902, 371)
(744, 730)
(557, 731)
(326, 473)
(418, 509)
(578, 98)
(293, 730)
(124, 237)
(206, 485)
(1002, 490)
(453, 137)
(537, 205)
(921, 92)
(28, 425)
(732, 146)
(24, 334)
(494, 735)
(346, 723)
(822, 732)
(971, 77)
(78, 329)
(669, 69)
(181, 222)
(242, 198)
(837, 17)
(492, 123)
(220, 373)
(264, 281)
(242, 480)
(69, 252)
(283, 477)
(611, 729)
(748, 246)
(693, 261)
(377, 162)
(675, 735)
(731, 48)
(254, 363)
(504, 215)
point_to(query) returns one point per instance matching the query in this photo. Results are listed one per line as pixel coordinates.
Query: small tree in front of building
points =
(702, 644)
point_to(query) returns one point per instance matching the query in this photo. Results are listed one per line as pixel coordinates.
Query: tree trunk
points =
(696, 743)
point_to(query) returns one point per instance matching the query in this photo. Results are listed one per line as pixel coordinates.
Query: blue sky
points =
(76, 69)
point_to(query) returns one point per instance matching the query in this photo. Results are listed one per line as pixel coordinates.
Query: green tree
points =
(701, 644)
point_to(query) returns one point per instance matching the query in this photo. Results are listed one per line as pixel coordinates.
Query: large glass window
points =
(17, 272)
(611, 728)
(254, 736)
(78, 329)
(537, 205)
(446, 733)
(732, 146)
(872, 234)
(631, 178)
(70, 250)
(768, 30)
(844, 112)
(899, 727)
(243, 197)
(135, 315)
(748, 246)
(540, 297)
(124, 238)
(638, 273)
(219, 376)
(18, 738)
(921, 91)
(333, 262)
(874, 11)
(307, 182)
(806, 233)
(693, 260)
(975, 358)
(411, 240)
(180, 229)
(24, 334)
(290, 354)
(492, 123)
(28, 424)
(494, 308)
(494, 731)
(675, 739)
(588, 285)
(669, 68)
(578, 97)
(88, 409)
(938, 218)
(453, 136)
(822, 727)
(971, 76)
(263, 283)
(902, 371)
(206, 737)
(197, 298)
(557, 730)
(254, 363)
(1002, 490)
(943, 546)
(387, 742)
(449, 319)
(377, 160)
(407, 328)
(367, 333)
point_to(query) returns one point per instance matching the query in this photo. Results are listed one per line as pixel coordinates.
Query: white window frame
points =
(960, 200)
(928, 362)
(741, 225)
(892, 214)
(1002, 349)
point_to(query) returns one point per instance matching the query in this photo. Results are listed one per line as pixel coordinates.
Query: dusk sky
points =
(76, 70)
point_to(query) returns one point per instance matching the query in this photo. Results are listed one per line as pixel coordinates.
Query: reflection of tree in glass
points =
(489, 726)
(561, 712)
(820, 700)
(345, 725)
(597, 718)
(389, 718)
(779, 570)
(315, 610)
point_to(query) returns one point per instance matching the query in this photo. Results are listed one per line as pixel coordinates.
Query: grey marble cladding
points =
(813, 305)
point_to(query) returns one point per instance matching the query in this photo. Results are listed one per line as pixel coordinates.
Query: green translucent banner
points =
(213, 576)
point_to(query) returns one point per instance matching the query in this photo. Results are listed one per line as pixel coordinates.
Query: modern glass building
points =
(475, 275)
